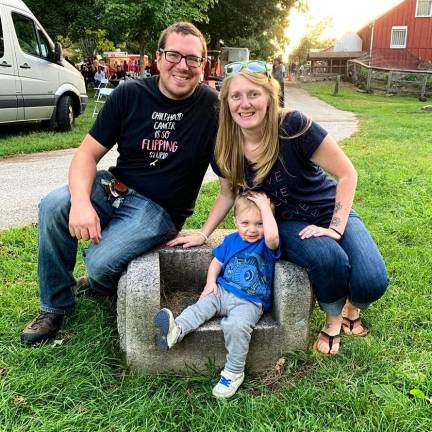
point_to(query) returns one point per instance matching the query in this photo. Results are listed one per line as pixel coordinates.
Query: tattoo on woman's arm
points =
(336, 221)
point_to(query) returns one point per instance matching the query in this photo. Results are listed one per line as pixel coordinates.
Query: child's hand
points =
(210, 288)
(260, 199)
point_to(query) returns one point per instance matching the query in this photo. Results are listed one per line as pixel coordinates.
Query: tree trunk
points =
(142, 46)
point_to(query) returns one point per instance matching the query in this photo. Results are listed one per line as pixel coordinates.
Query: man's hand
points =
(187, 241)
(84, 223)
(210, 288)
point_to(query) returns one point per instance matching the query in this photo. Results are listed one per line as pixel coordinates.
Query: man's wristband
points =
(202, 234)
(336, 231)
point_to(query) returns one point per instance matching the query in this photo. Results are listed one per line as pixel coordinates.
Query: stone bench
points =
(174, 277)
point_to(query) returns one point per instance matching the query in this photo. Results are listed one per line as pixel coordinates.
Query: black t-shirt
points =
(299, 188)
(165, 145)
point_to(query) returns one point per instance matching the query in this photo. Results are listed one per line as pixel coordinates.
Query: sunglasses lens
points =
(256, 67)
(233, 68)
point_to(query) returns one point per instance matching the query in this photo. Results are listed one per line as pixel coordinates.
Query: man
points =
(165, 128)
(99, 76)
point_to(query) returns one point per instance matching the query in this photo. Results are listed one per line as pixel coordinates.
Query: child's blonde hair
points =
(242, 203)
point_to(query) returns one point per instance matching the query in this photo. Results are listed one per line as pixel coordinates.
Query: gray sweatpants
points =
(239, 318)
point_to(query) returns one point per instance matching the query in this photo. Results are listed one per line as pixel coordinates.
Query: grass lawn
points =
(382, 382)
(32, 137)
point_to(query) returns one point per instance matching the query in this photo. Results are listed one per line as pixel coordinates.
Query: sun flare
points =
(347, 15)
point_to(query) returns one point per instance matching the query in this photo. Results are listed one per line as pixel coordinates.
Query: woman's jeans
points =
(131, 225)
(350, 268)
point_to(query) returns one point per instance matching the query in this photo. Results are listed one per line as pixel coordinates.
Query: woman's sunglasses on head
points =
(252, 66)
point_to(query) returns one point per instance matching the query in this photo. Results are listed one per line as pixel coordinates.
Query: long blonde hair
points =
(229, 153)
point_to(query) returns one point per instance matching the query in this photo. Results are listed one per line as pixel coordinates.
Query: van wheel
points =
(65, 114)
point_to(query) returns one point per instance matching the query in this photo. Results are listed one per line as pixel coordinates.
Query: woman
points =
(285, 154)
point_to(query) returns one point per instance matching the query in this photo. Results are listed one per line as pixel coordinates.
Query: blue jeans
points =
(350, 268)
(131, 226)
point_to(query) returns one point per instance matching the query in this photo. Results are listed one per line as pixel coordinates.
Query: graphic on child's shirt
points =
(246, 272)
(160, 146)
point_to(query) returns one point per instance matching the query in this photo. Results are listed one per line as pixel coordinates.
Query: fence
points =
(390, 81)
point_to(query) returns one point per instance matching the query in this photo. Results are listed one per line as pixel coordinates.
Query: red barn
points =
(402, 37)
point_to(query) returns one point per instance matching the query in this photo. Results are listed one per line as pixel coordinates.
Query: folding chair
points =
(101, 98)
(104, 83)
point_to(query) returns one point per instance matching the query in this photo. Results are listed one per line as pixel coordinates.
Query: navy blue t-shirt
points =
(299, 188)
(165, 145)
(247, 268)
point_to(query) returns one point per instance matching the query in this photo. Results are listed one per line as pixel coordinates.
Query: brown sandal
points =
(348, 325)
(331, 340)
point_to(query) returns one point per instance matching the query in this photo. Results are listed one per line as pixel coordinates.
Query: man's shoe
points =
(169, 332)
(44, 327)
(228, 384)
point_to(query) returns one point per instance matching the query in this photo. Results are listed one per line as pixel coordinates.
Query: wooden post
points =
(423, 86)
(355, 76)
(369, 79)
(336, 88)
(389, 82)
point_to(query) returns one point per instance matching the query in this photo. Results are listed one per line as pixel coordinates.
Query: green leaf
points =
(389, 393)
(417, 393)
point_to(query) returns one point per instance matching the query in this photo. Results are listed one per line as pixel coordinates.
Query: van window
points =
(1, 40)
(43, 43)
(31, 40)
(26, 34)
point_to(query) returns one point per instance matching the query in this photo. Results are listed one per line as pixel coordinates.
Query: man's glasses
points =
(253, 66)
(175, 57)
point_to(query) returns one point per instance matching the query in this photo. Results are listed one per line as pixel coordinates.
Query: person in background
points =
(99, 76)
(120, 73)
(278, 75)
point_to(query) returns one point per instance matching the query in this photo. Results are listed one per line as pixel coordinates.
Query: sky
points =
(348, 15)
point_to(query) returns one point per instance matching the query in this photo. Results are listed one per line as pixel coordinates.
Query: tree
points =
(78, 24)
(312, 39)
(143, 20)
(258, 25)
(67, 18)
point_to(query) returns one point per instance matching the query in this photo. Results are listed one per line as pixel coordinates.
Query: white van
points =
(36, 83)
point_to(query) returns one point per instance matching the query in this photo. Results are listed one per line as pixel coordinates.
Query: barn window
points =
(398, 37)
(424, 8)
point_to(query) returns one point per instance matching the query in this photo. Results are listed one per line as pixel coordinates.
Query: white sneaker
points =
(169, 332)
(228, 384)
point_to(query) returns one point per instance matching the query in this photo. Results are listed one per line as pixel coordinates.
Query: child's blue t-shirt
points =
(248, 268)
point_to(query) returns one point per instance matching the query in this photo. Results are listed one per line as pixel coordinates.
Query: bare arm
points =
(214, 269)
(223, 203)
(271, 231)
(83, 220)
(332, 159)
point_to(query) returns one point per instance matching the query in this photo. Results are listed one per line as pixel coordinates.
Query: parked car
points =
(36, 83)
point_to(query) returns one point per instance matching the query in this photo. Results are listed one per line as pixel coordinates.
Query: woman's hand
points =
(187, 241)
(316, 231)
